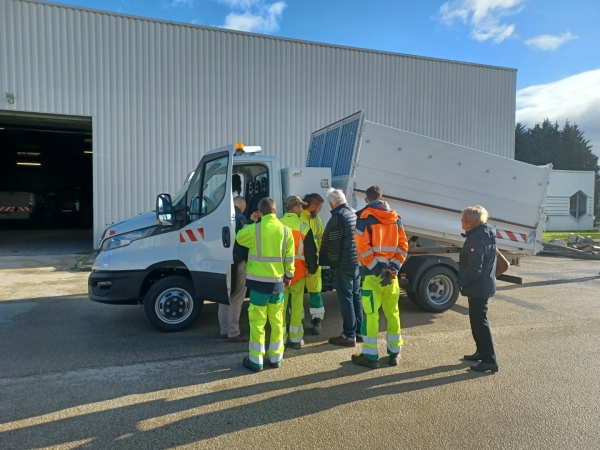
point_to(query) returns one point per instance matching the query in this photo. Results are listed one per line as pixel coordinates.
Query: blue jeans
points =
(347, 286)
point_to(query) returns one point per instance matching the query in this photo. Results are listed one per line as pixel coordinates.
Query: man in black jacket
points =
(477, 280)
(229, 315)
(338, 250)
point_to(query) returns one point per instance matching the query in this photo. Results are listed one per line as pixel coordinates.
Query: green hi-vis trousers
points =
(265, 307)
(294, 300)
(314, 286)
(375, 296)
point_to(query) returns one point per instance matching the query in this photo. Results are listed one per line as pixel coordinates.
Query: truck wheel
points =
(412, 296)
(438, 289)
(170, 304)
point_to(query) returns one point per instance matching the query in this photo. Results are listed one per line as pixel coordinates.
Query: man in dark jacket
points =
(477, 280)
(338, 250)
(229, 315)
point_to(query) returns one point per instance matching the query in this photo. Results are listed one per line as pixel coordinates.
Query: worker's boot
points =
(317, 326)
(362, 360)
(394, 357)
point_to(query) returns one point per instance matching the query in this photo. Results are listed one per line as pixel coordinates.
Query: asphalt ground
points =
(76, 374)
(19, 240)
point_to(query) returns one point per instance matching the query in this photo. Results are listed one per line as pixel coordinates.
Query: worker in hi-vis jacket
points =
(269, 271)
(382, 248)
(314, 284)
(305, 263)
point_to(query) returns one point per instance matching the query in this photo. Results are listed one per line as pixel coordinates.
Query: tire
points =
(438, 289)
(412, 296)
(163, 296)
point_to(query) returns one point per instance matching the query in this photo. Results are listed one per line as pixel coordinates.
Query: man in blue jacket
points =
(477, 280)
(229, 315)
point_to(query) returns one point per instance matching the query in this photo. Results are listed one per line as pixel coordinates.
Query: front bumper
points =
(116, 287)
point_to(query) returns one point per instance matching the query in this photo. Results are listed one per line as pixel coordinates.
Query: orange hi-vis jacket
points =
(305, 259)
(381, 242)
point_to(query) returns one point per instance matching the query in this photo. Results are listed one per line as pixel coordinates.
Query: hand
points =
(255, 216)
(308, 275)
(384, 273)
(287, 282)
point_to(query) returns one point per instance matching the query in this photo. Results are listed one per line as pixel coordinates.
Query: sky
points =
(554, 44)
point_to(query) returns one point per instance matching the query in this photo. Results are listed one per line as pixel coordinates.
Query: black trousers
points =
(480, 327)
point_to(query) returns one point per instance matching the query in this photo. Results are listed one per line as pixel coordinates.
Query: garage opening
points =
(46, 182)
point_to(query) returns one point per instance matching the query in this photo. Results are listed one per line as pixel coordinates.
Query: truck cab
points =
(179, 256)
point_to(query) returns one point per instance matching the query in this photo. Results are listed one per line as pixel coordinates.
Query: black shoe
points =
(394, 357)
(317, 327)
(362, 360)
(342, 342)
(484, 367)
(474, 357)
(246, 364)
(295, 345)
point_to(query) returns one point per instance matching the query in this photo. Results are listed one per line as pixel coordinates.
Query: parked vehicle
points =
(20, 206)
(68, 206)
(428, 182)
(177, 257)
(173, 259)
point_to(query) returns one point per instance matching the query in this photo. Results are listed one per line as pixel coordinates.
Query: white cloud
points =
(258, 16)
(575, 98)
(177, 3)
(549, 42)
(483, 16)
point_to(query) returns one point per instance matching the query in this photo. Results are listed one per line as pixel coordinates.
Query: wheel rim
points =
(174, 305)
(440, 289)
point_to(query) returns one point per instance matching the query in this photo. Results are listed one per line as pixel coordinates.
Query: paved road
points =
(77, 374)
(16, 241)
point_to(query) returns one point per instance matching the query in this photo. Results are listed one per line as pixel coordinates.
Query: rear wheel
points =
(438, 289)
(170, 304)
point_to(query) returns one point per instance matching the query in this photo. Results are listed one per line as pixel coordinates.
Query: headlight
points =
(123, 240)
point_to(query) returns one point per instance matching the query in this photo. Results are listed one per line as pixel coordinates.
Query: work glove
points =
(386, 277)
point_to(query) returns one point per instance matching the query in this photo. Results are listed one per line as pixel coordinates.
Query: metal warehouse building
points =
(143, 99)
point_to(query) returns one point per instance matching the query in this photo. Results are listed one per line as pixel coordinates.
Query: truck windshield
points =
(207, 188)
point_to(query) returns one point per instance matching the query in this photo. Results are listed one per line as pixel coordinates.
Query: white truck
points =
(428, 182)
(175, 258)
(20, 206)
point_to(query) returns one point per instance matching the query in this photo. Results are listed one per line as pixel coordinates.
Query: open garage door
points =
(46, 198)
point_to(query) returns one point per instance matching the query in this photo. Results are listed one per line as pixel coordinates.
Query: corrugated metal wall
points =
(160, 94)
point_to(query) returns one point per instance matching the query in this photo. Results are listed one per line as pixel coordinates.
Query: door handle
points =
(226, 236)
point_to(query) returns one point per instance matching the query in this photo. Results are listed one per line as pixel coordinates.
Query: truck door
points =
(206, 241)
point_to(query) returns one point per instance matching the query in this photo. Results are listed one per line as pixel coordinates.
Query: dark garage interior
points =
(49, 158)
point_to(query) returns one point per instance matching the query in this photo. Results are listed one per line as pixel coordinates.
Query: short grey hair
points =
(475, 215)
(335, 196)
(239, 201)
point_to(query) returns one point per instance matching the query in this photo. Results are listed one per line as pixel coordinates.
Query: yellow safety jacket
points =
(316, 225)
(271, 250)
(299, 231)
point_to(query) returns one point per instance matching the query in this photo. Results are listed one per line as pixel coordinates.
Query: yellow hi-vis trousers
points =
(314, 286)
(294, 300)
(265, 307)
(375, 296)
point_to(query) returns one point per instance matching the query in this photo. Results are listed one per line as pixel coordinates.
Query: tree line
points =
(565, 148)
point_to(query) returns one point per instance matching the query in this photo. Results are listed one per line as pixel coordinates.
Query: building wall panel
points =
(161, 94)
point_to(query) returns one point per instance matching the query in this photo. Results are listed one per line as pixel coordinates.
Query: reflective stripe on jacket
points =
(299, 230)
(380, 238)
(271, 250)
(316, 225)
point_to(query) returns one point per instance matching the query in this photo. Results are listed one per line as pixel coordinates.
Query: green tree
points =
(566, 149)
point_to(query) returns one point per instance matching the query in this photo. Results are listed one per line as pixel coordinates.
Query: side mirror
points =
(164, 210)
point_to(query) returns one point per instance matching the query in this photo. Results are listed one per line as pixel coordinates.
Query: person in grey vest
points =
(338, 250)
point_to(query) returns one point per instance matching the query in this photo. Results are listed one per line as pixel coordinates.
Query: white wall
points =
(160, 94)
(564, 184)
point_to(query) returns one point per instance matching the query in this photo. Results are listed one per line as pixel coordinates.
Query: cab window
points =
(208, 187)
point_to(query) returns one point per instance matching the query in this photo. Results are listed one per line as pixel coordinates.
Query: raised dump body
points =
(428, 181)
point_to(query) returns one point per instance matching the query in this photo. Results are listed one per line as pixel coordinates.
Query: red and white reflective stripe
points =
(510, 236)
(191, 235)
(112, 232)
(15, 208)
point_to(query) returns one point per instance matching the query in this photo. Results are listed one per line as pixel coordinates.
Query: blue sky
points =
(554, 44)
